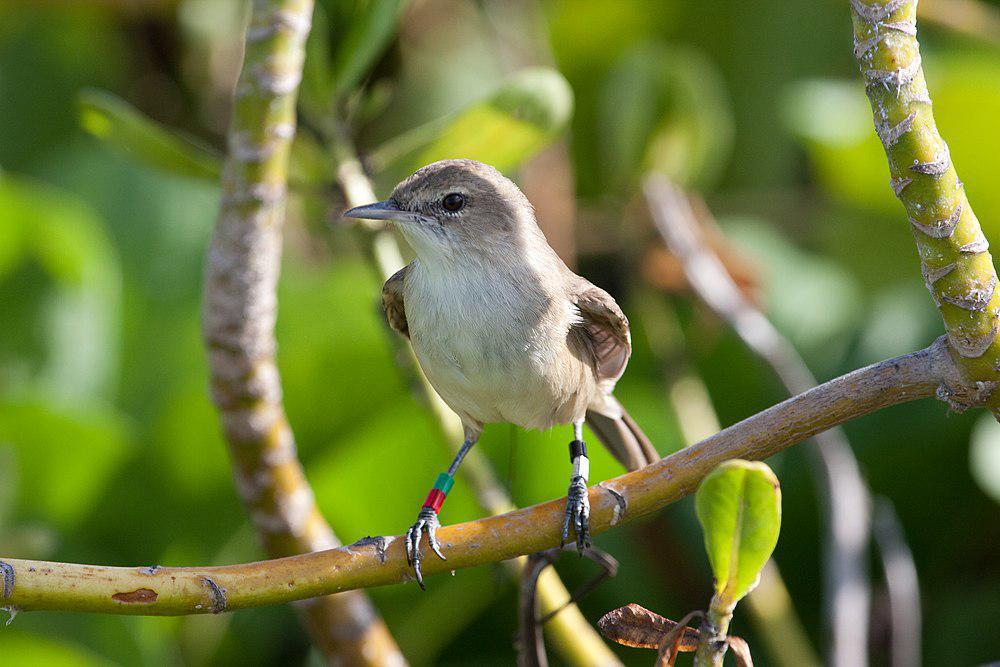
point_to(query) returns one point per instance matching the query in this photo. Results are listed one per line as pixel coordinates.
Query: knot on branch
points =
(961, 397)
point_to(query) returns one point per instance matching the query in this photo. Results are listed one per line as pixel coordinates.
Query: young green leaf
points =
(117, 122)
(739, 508)
(519, 119)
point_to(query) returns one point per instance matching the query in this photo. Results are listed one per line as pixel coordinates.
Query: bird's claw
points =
(577, 514)
(427, 521)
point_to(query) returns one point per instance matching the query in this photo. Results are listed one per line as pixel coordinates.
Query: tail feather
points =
(622, 436)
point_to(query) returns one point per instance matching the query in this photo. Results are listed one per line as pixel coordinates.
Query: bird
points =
(503, 330)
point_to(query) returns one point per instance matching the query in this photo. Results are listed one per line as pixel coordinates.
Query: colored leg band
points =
(435, 499)
(577, 448)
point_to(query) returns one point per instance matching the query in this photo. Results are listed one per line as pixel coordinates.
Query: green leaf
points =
(79, 312)
(518, 120)
(739, 508)
(364, 43)
(66, 456)
(664, 109)
(23, 649)
(117, 122)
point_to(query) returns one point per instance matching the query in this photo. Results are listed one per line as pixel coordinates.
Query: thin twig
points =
(36, 585)
(240, 305)
(847, 499)
(530, 647)
(770, 605)
(902, 585)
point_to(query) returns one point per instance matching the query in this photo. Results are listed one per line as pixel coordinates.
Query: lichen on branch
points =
(954, 258)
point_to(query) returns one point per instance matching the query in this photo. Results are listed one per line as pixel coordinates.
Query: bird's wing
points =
(392, 301)
(604, 332)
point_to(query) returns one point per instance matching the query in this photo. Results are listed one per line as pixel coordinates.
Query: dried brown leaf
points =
(741, 651)
(636, 626)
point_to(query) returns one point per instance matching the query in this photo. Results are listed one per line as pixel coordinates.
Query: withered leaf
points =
(636, 626)
(741, 651)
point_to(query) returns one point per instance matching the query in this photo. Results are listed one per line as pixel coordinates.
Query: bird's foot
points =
(427, 521)
(577, 513)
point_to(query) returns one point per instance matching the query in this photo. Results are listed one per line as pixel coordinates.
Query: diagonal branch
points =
(34, 585)
(240, 306)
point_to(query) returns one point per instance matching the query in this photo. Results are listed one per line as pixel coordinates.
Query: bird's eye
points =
(453, 202)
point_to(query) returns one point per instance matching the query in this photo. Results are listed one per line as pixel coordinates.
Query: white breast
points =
(494, 351)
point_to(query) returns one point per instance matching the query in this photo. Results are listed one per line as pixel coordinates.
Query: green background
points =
(110, 449)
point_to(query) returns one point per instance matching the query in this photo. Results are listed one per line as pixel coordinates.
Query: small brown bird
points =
(501, 327)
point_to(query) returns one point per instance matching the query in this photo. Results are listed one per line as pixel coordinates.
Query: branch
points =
(955, 262)
(34, 585)
(848, 501)
(240, 306)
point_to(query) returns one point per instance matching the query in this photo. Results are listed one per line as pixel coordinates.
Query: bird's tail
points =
(619, 433)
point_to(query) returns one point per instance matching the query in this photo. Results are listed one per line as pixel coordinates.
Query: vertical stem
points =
(954, 257)
(240, 307)
(712, 640)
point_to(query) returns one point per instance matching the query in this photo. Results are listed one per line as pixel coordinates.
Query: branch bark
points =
(954, 258)
(35, 585)
(240, 307)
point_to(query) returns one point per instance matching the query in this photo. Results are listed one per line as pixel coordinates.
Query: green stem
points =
(954, 259)
(712, 639)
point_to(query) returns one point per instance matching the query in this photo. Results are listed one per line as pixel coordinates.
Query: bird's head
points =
(456, 208)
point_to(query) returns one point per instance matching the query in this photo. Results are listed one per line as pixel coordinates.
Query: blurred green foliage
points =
(110, 450)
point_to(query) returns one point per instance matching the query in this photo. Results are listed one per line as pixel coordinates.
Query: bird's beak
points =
(380, 210)
(386, 210)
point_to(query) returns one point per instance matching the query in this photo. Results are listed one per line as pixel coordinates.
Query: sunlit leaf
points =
(79, 312)
(664, 109)
(65, 457)
(739, 508)
(503, 130)
(27, 650)
(118, 123)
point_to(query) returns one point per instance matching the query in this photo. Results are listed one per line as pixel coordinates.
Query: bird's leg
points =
(578, 502)
(427, 520)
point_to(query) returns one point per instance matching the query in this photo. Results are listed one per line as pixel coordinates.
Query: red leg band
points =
(435, 499)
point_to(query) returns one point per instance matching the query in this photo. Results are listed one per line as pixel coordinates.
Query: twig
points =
(172, 591)
(954, 256)
(848, 502)
(570, 632)
(771, 610)
(240, 304)
(902, 584)
(530, 647)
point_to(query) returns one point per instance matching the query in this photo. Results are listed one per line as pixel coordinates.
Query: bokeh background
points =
(110, 449)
